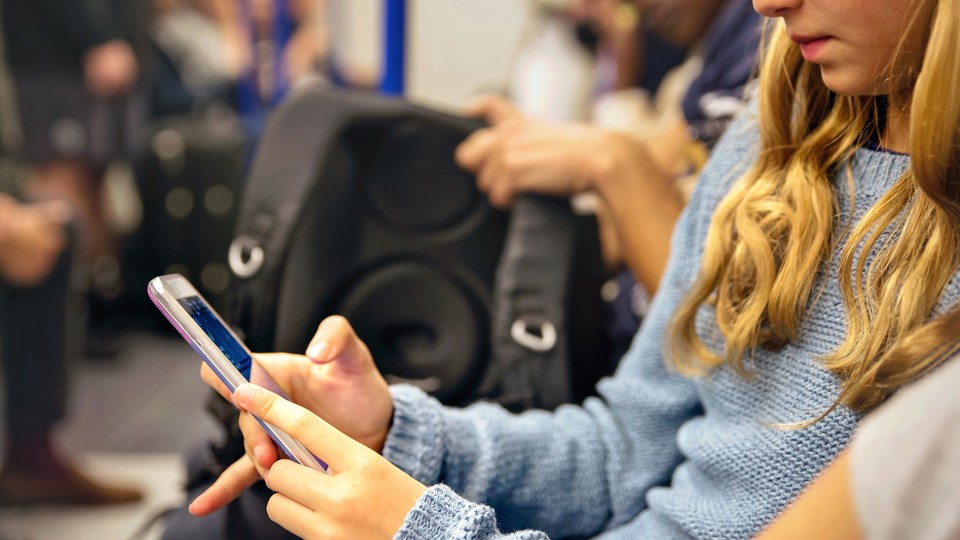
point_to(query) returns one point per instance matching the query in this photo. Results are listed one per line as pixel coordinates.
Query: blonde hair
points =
(774, 230)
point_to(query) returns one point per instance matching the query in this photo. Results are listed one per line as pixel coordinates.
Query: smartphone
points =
(220, 348)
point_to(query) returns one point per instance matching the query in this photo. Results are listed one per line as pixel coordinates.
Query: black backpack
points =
(354, 206)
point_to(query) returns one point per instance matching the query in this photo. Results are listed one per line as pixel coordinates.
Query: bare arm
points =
(642, 205)
(824, 511)
(518, 155)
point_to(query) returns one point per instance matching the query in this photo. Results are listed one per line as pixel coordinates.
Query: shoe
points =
(60, 485)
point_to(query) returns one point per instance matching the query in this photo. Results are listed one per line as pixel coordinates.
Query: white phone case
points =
(168, 293)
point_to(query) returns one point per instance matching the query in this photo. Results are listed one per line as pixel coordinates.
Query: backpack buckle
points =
(245, 256)
(536, 334)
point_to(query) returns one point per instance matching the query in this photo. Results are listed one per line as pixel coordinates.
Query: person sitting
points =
(635, 171)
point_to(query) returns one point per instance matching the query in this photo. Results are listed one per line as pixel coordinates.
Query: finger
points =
(326, 442)
(499, 173)
(333, 335)
(478, 106)
(496, 168)
(336, 340)
(538, 170)
(232, 482)
(293, 516)
(495, 109)
(259, 446)
(301, 484)
(214, 382)
(502, 197)
(475, 149)
(492, 171)
(274, 369)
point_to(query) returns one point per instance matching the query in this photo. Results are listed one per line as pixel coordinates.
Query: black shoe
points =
(63, 484)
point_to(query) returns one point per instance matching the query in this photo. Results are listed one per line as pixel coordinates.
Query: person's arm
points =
(365, 494)
(8, 206)
(110, 65)
(520, 155)
(824, 511)
(643, 205)
(905, 457)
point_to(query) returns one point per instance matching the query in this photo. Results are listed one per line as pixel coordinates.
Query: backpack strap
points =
(529, 361)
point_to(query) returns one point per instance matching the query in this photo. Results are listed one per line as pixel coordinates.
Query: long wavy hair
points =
(775, 230)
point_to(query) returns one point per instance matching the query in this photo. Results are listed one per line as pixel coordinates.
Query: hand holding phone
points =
(221, 350)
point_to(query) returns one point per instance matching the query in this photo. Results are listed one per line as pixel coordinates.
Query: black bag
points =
(354, 206)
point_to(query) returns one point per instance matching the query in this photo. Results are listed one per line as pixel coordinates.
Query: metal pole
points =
(394, 47)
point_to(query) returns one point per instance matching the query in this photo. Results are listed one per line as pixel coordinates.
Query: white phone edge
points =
(167, 301)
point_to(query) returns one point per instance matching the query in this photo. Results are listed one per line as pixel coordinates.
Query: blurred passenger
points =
(198, 60)
(637, 165)
(276, 44)
(34, 284)
(75, 72)
(260, 48)
(630, 55)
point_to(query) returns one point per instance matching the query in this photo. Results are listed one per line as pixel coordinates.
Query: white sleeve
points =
(905, 462)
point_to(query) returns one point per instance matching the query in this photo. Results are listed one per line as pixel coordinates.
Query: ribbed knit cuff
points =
(414, 443)
(441, 513)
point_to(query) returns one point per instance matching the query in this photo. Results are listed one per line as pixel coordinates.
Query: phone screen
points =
(221, 337)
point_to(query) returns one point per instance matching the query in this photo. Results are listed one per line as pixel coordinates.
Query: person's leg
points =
(32, 333)
(33, 355)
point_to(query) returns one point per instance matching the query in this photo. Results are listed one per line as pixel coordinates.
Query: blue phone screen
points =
(215, 330)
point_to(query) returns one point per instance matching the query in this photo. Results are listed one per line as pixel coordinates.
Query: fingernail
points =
(318, 350)
(244, 393)
(257, 452)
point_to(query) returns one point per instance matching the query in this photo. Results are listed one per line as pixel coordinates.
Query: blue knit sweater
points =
(656, 455)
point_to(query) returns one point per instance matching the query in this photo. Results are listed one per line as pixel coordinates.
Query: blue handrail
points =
(394, 47)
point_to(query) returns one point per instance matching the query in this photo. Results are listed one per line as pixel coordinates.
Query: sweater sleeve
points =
(580, 469)
(441, 513)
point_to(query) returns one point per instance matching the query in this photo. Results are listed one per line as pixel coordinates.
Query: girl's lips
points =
(810, 46)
